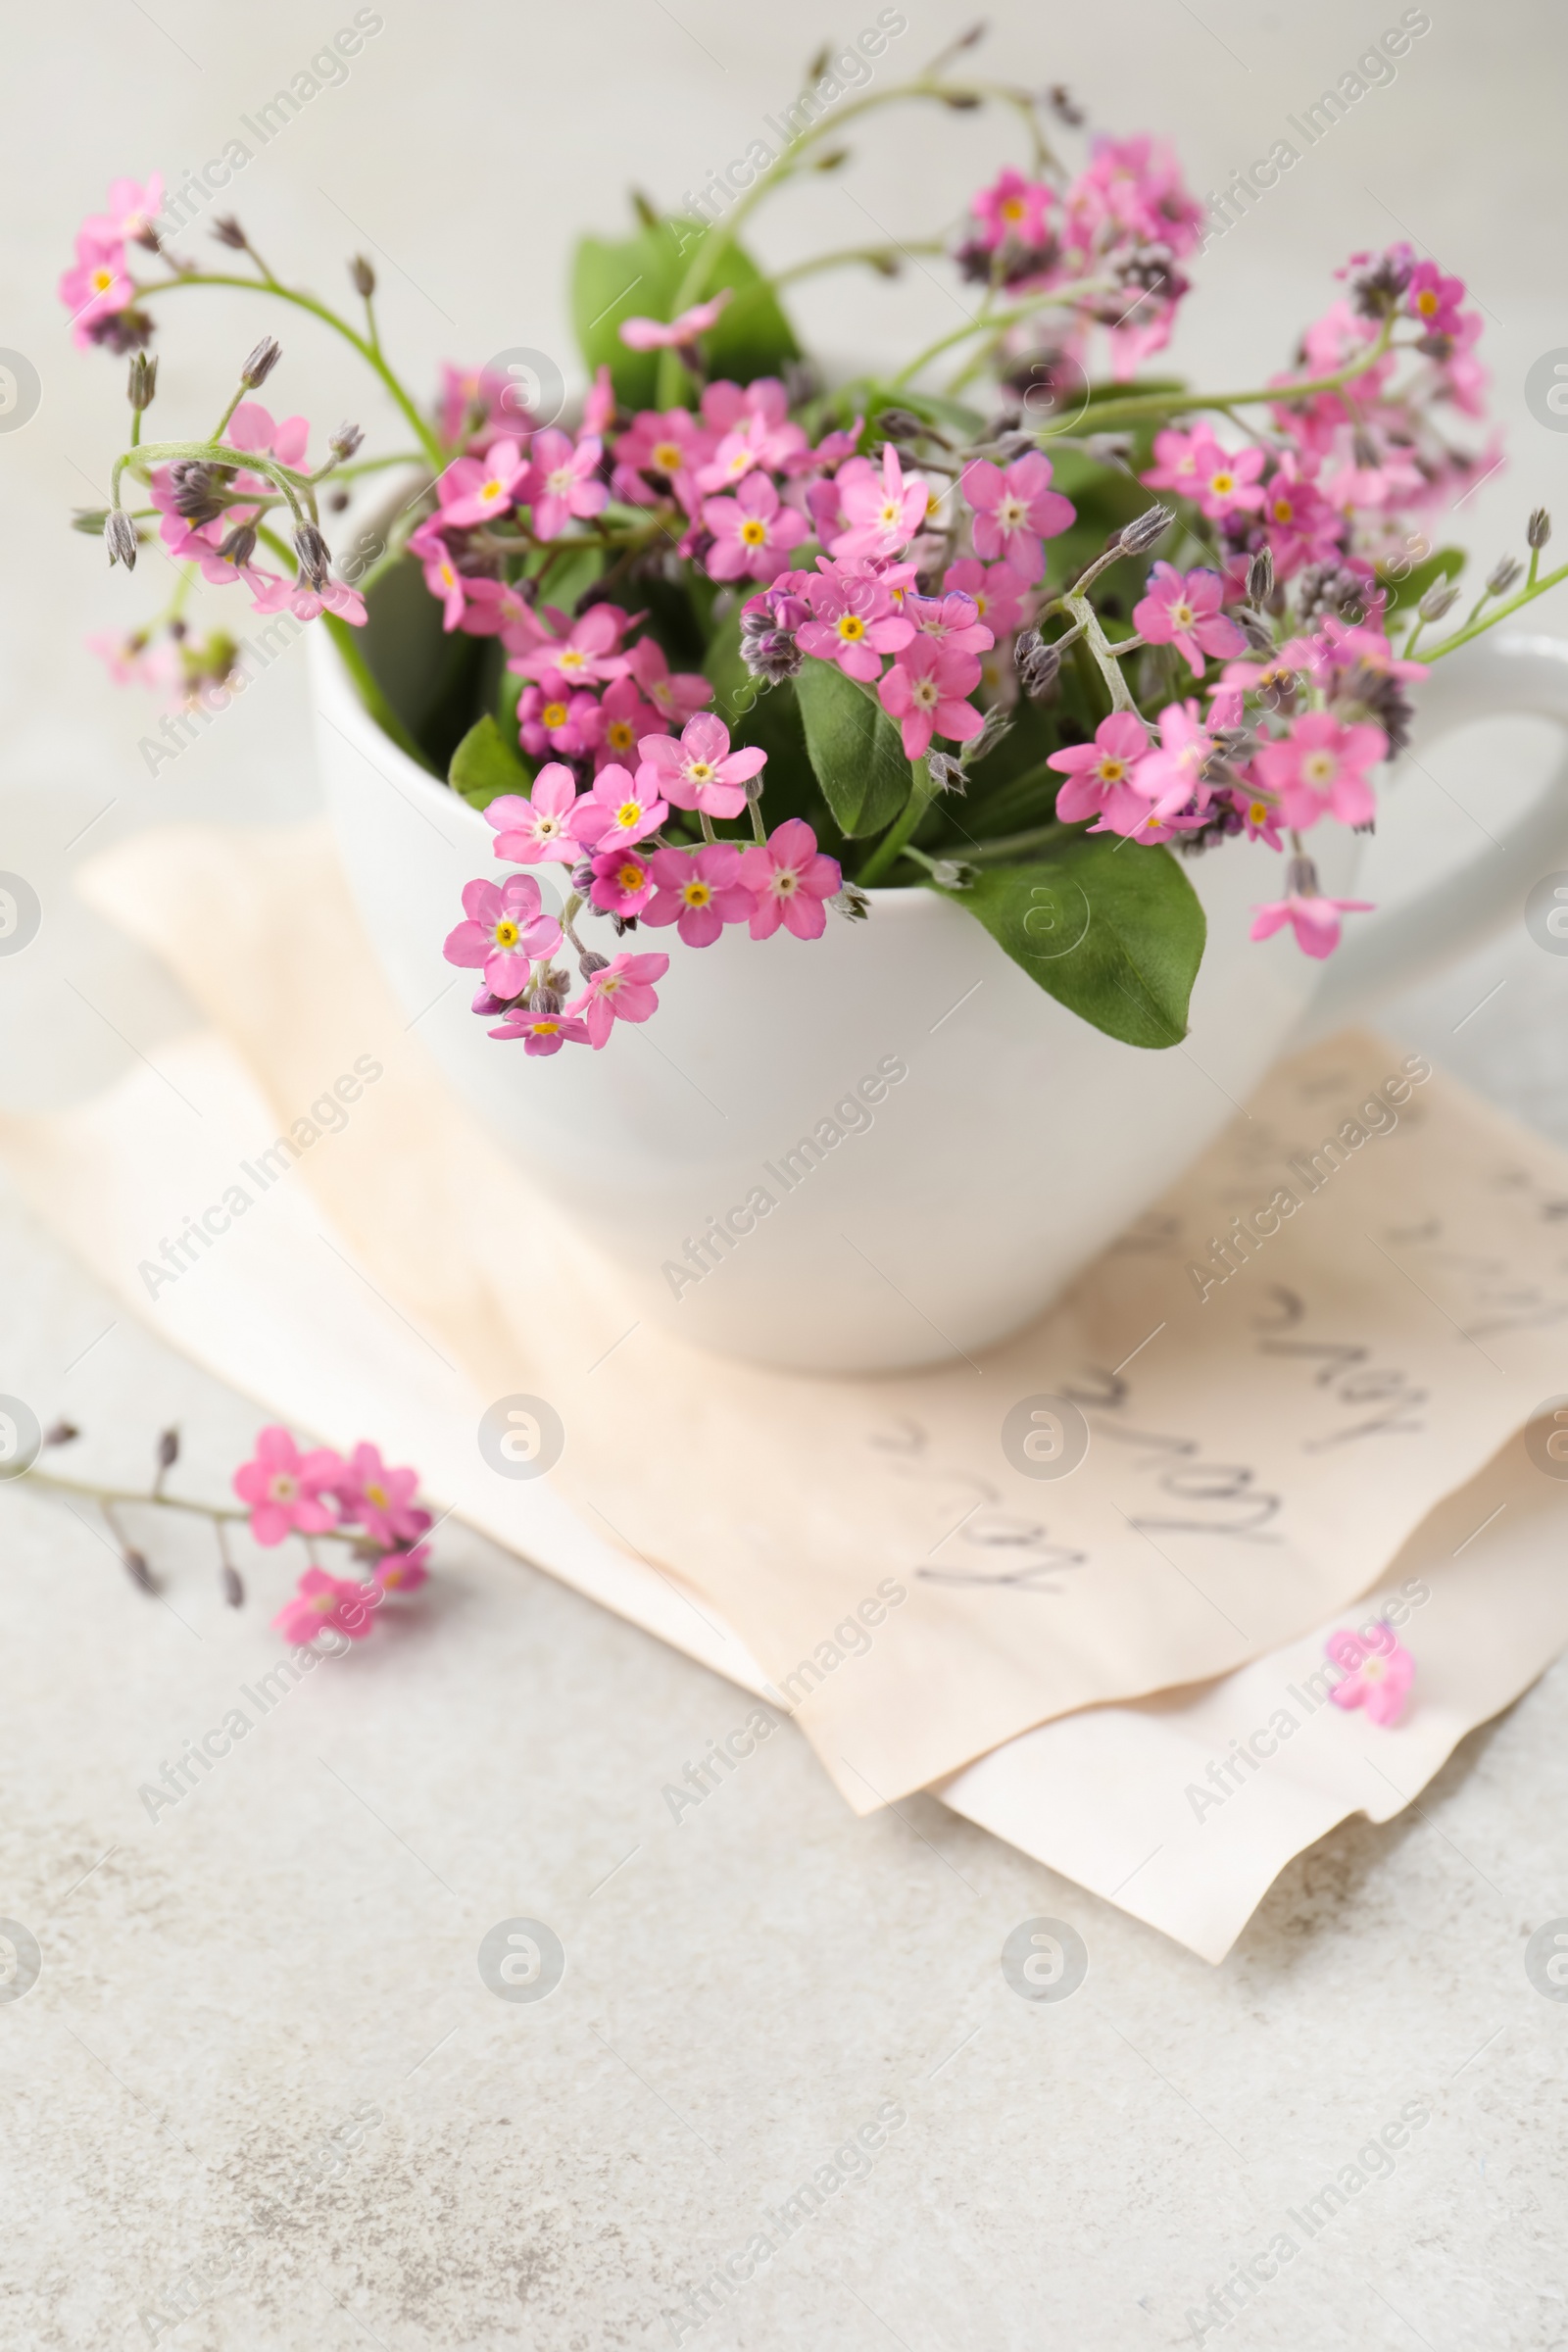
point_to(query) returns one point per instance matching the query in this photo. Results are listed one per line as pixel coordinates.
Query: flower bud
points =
(167, 1449)
(851, 902)
(1300, 879)
(946, 773)
(583, 877)
(141, 1574)
(141, 382)
(120, 537)
(1502, 575)
(345, 441)
(1038, 664)
(313, 554)
(263, 360)
(227, 232)
(1261, 577)
(588, 963)
(240, 545)
(1537, 531)
(362, 276)
(952, 873)
(540, 998)
(233, 1589)
(61, 1433)
(1437, 600)
(1140, 535)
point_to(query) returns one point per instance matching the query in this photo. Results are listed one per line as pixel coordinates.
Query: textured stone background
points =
(297, 1940)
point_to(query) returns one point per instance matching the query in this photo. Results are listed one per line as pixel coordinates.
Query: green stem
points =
(721, 234)
(891, 845)
(367, 352)
(1088, 619)
(1478, 628)
(1104, 413)
(998, 324)
(848, 254)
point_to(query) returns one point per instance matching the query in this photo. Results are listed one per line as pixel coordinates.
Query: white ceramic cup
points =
(908, 1216)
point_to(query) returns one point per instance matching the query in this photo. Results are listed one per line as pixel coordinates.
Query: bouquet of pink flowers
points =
(939, 631)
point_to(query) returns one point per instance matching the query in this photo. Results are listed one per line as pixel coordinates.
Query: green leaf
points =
(1112, 930)
(854, 749)
(484, 766)
(1407, 588)
(639, 277)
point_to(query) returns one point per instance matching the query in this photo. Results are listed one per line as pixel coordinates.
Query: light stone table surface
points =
(230, 1993)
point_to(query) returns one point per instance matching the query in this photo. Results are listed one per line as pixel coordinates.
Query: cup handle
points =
(1493, 677)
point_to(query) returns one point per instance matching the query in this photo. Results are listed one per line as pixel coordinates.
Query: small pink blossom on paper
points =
(284, 1486)
(1378, 1671)
(380, 1500)
(403, 1571)
(321, 1602)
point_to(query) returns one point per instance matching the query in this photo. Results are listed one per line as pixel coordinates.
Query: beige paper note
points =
(1256, 1454)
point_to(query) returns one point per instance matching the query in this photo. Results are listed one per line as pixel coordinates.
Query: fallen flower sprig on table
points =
(319, 1497)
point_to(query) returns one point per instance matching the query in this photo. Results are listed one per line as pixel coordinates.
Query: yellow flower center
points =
(562, 482)
(696, 894)
(571, 658)
(1258, 812)
(850, 627)
(630, 813)
(553, 715)
(102, 280)
(754, 533)
(505, 935)
(1318, 767)
(631, 878)
(665, 455)
(1426, 301)
(1112, 771)
(491, 491)
(545, 1028)
(283, 1489)
(1284, 512)
(321, 1602)
(700, 771)
(1222, 483)
(619, 735)
(378, 1494)
(1183, 616)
